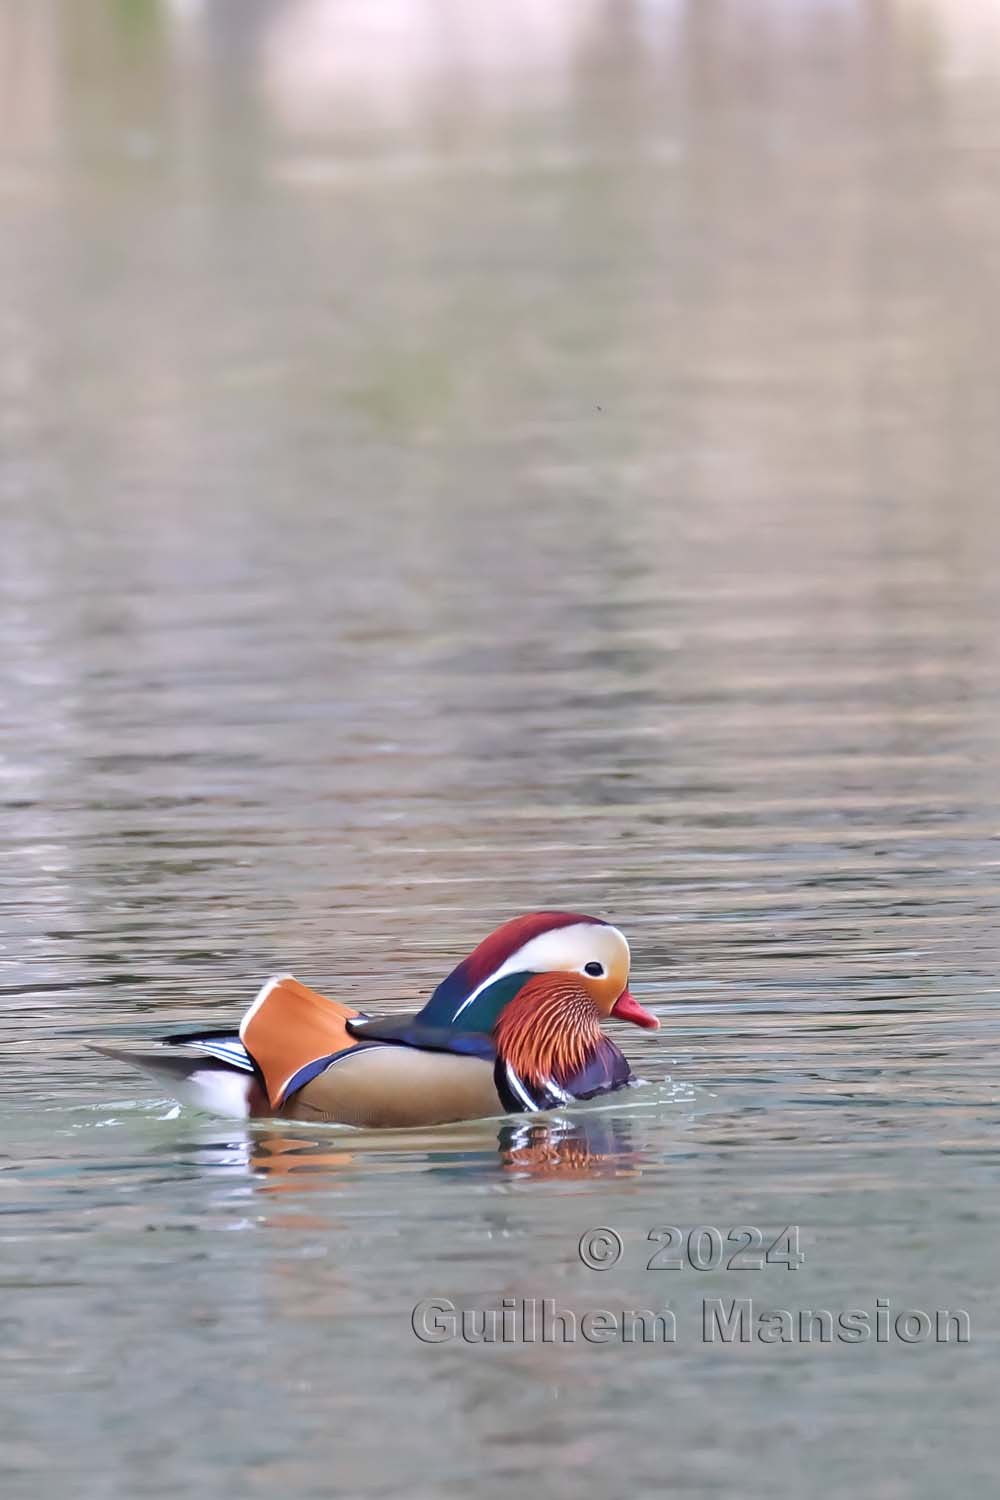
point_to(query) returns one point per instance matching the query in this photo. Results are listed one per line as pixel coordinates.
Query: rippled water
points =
(455, 462)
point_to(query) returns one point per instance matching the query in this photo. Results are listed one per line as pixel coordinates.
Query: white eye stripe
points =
(552, 952)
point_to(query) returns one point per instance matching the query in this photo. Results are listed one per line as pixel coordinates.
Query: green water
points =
(457, 460)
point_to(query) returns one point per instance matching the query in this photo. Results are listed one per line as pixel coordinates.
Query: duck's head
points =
(541, 985)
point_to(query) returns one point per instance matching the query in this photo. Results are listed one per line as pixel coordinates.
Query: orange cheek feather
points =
(605, 992)
(549, 1029)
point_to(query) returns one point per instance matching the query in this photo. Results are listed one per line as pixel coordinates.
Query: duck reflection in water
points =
(590, 1144)
(586, 1145)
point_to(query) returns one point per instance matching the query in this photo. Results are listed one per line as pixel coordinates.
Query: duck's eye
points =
(594, 969)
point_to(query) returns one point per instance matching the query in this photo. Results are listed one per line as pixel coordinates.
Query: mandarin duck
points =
(515, 1028)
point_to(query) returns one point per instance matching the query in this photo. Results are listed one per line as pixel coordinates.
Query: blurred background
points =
(455, 459)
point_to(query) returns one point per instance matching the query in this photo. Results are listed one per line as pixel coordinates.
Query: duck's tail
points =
(197, 1077)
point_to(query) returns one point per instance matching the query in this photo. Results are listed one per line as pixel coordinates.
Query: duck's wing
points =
(397, 1072)
(411, 1031)
(298, 1053)
(293, 1033)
